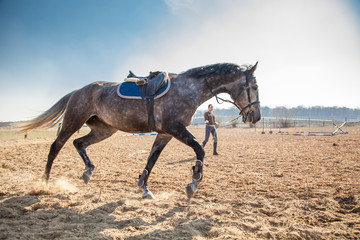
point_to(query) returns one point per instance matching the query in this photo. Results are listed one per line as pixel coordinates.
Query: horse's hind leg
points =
(99, 131)
(159, 144)
(67, 130)
(55, 149)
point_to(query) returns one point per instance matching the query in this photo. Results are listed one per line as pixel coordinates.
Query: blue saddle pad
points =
(130, 90)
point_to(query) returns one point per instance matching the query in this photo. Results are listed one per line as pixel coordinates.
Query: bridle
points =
(244, 87)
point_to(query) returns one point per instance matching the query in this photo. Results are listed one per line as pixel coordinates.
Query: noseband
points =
(245, 87)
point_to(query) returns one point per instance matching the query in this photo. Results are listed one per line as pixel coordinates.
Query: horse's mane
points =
(213, 70)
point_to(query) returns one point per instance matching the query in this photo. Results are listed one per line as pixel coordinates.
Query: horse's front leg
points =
(197, 175)
(182, 134)
(192, 187)
(159, 144)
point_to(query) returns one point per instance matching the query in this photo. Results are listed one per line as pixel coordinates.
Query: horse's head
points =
(245, 94)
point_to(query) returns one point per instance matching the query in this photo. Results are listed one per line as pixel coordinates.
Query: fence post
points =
(346, 128)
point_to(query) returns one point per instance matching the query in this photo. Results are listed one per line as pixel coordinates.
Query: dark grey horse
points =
(98, 106)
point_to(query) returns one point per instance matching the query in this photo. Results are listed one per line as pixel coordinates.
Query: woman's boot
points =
(215, 147)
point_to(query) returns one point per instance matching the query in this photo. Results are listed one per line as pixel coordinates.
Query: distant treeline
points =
(5, 124)
(317, 112)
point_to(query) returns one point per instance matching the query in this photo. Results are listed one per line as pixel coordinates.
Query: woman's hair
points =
(210, 105)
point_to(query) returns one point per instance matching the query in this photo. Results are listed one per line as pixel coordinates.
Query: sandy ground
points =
(261, 186)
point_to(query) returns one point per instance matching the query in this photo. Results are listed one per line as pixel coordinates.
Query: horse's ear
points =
(252, 70)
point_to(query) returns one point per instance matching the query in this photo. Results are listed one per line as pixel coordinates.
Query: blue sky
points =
(308, 51)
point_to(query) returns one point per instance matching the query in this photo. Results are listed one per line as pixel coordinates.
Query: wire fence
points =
(270, 124)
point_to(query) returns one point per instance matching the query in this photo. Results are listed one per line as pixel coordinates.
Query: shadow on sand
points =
(184, 161)
(28, 217)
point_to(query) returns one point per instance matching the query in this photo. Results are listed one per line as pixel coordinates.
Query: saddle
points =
(147, 88)
(149, 85)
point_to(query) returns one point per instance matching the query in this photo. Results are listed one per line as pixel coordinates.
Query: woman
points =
(210, 127)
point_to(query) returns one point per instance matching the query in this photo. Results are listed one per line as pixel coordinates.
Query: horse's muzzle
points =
(253, 116)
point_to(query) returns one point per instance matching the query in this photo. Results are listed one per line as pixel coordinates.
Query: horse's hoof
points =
(148, 195)
(191, 189)
(86, 177)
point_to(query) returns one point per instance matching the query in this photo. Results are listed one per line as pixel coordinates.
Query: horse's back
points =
(130, 115)
(123, 114)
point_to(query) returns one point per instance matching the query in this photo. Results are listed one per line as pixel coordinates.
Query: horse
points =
(99, 107)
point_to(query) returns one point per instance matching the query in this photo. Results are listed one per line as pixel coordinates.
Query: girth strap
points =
(150, 110)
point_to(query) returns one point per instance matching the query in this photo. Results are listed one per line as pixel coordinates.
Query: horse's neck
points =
(198, 91)
(212, 87)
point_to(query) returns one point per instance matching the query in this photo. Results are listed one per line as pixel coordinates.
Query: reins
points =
(217, 98)
(246, 86)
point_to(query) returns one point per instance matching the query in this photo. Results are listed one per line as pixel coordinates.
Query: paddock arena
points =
(260, 187)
